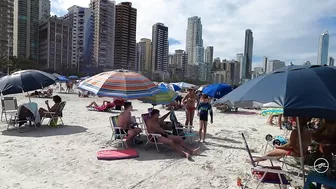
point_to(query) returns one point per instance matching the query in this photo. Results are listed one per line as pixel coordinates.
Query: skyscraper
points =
(273, 65)
(44, 9)
(331, 61)
(248, 51)
(26, 29)
(55, 43)
(194, 41)
(125, 36)
(160, 48)
(323, 49)
(82, 35)
(6, 27)
(208, 54)
(104, 32)
(144, 55)
(265, 64)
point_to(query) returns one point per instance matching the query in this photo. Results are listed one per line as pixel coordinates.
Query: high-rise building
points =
(55, 43)
(273, 65)
(26, 29)
(208, 54)
(82, 35)
(264, 64)
(170, 59)
(125, 36)
(257, 71)
(178, 67)
(104, 19)
(144, 56)
(248, 53)
(331, 61)
(6, 27)
(194, 40)
(242, 66)
(323, 49)
(44, 9)
(160, 48)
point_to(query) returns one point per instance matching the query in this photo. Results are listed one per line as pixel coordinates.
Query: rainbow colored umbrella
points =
(166, 96)
(121, 84)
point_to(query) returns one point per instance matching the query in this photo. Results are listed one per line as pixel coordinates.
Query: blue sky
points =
(283, 29)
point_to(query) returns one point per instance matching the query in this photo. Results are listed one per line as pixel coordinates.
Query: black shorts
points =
(203, 117)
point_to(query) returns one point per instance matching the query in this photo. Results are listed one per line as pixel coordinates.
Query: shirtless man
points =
(124, 121)
(176, 142)
(189, 101)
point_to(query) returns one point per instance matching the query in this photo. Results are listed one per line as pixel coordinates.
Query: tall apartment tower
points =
(160, 48)
(265, 64)
(331, 61)
(323, 49)
(194, 41)
(248, 53)
(82, 35)
(26, 29)
(55, 43)
(44, 9)
(125, 36)
(6, 27)
(144, 55)
(103, 32)
(208, 54)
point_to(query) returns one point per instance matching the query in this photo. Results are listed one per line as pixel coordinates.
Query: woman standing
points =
(189, 103)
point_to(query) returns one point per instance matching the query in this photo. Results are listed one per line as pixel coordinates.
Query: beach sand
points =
(65, 157)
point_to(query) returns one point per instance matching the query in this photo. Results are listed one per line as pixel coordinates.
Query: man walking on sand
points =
(176, 142)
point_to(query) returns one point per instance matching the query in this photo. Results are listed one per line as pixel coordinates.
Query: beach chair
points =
(266, 174)
(118, 134)
(22, 117)
(9, 106)
(151, 137)
(55, 116)
(181, 130)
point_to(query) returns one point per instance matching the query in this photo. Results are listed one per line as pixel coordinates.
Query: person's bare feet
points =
(187, 155)
(196, 151)
(270, 123)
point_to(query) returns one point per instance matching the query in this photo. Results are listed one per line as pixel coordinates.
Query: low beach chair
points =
(151, 137)
(118, 134)
(21, 118)
(55, 116)
(9, 106)
(181, 130)
(265, 174)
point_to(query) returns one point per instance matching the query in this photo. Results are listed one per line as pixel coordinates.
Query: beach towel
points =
(117, 154)
(32, 107)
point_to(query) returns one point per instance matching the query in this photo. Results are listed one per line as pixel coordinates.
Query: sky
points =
(287, 30)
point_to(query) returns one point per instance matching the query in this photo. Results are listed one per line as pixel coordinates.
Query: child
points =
(203, 110)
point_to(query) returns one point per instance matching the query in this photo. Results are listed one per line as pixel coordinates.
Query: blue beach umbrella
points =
(62, 79)
(73, 77)
(217, 90)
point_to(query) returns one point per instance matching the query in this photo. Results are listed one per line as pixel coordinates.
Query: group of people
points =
(156, 124)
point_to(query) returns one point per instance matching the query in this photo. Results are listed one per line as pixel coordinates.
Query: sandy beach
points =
(65, 157)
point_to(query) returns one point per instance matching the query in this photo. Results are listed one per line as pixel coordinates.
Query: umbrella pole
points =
(301, 150)
(28, 97)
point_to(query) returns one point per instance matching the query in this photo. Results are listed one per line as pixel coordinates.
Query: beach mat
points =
(117, 154)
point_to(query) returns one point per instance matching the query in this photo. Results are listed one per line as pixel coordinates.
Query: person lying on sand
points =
(46, 112)
(124, 121)
(176, 142)
(104, 107)
(34, 94)
(292, 148)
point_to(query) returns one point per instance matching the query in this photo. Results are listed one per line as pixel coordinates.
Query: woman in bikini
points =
(189, 102)
(292, 148)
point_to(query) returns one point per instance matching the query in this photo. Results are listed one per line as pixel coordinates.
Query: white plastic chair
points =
(9, 106)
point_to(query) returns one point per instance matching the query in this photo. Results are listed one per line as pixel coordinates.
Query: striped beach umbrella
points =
(272, 111)
(121, 84)
(166, 96)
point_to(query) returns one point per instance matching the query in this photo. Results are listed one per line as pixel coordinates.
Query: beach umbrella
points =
(272, 111)
(217, 90)
(62, 78)
(25, 81)
(73, 77)
(307, 91)
(83, 78)
(56, 74)
(121, 84)
(171, 86)
(184, 85)
(165, 96)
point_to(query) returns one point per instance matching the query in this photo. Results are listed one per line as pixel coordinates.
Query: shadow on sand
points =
(45, 131)
(223, 139)
(241, 112)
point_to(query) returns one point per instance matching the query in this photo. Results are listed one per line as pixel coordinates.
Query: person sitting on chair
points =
(176, 142)
(292, 148)
(54, 109)
(125, 122)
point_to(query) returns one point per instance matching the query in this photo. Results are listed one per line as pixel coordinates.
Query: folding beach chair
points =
(21, 118)
(181, 130)
(266, 174)
(151, 137)
(9, 106)
(118, 134)
(55, 116)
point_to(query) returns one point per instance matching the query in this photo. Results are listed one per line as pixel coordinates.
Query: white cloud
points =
(282, 29)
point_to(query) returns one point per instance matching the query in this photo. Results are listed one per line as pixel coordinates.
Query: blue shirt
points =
(204, 108)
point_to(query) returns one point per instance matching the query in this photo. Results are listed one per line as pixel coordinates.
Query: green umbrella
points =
(165, 96)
